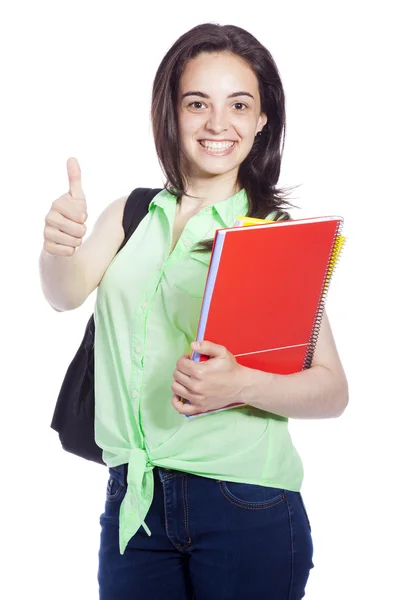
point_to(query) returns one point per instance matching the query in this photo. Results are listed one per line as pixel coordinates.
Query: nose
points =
(217, 122)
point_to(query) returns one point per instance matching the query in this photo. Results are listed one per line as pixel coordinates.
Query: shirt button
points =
(138, 348)
(144, 304)
(187, 243)
(134, 394)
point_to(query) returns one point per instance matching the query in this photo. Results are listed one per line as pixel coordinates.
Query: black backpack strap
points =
(136, 208)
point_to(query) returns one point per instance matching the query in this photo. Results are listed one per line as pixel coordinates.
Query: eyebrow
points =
(202, 95)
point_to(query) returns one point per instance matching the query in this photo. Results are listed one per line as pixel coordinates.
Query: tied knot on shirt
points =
(140, 485)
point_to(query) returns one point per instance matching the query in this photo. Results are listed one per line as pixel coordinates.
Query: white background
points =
(76, 80)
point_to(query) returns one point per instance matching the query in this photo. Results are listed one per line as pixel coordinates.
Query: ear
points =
(262, 120)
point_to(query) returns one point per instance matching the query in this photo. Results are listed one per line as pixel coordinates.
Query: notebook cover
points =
(265, 292)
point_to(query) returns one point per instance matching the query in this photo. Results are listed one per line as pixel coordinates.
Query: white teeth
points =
(216, 145)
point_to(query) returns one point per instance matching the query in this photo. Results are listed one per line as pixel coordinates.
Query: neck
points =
(208, 191)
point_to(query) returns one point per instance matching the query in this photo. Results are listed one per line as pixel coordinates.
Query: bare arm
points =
(69, 269)
(320, 392)
(67, 281)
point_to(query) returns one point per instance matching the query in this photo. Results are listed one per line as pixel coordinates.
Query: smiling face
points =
(219, 114)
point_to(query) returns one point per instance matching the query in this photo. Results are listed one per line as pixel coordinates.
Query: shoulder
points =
(115, 209)
(119, 204)
(108, 226)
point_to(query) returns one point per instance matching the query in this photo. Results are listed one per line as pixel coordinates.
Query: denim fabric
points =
(211, 540)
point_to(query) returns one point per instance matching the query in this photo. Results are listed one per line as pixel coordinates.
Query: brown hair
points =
(259, 172)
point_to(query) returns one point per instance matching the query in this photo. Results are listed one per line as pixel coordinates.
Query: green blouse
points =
(146, 314)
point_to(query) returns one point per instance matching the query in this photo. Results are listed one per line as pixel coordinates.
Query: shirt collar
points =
(232, 207)
(164, 199)
(228, 209)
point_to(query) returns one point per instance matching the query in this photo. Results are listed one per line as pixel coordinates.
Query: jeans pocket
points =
(305, 511)
(115, 490)
(250, 496)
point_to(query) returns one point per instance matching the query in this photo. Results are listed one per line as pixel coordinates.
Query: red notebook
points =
(265, 292)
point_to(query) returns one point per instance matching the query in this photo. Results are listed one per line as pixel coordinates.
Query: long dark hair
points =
(259, 172)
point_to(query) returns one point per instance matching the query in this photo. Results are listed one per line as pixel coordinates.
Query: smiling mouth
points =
(216, 145)
(217, 148)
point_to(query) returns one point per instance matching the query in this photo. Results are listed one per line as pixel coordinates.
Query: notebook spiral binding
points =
(336, 249)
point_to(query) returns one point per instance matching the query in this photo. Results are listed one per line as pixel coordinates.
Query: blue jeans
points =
(211, 540)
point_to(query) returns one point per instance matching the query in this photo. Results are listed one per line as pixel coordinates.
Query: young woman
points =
(208, 507)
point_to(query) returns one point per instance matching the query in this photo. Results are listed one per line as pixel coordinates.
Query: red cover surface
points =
(268, 290)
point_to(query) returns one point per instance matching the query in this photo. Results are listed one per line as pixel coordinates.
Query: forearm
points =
(315, 393)
(62, 280)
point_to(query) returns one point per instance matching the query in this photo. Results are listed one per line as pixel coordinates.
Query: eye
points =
(195, 102)
(241, 104)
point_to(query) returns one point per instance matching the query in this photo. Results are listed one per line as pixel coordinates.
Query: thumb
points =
(75, 179)
(209, 349)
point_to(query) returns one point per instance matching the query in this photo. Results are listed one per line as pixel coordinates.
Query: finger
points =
(209, 349)
(187, 366)
(53, 249)
(65, 222)
(183, 409)
(58, 237)
(181, 378)
(75, 179)
(181, 391)
(67, 207)
(177, 403)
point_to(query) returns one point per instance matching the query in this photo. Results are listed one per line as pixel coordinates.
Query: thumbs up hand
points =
(65, 222)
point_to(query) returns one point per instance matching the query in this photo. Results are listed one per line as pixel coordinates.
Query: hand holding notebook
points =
(265, 292)
(212, 384)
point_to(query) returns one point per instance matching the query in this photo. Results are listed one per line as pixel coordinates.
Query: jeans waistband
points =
(120, 473)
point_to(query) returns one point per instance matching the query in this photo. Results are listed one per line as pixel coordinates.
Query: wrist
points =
(254, 386)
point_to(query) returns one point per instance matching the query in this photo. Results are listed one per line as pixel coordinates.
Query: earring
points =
(259, 134)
